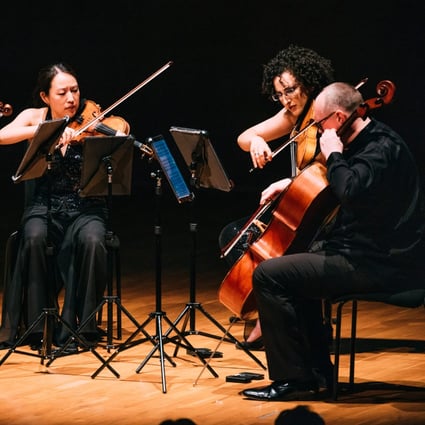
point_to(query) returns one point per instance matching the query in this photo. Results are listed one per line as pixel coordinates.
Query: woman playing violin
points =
(76, 229)
(292, 79)
(376, 244)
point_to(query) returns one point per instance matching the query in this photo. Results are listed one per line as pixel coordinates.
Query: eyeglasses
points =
(319, 123)
(287, 92)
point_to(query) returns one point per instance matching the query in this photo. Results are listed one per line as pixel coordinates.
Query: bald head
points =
(338, 96)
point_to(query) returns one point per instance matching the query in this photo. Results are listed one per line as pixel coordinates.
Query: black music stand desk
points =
(206, 172)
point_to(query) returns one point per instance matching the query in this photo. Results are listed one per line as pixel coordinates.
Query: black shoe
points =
(325, 378)
(91, 339)
(87, 340)
(71, 348)
(256, 345)
(5, 345)
(35, 341)
(284, 390)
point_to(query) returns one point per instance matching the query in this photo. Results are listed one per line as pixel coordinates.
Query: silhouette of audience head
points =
(181, 421)
(299, 415)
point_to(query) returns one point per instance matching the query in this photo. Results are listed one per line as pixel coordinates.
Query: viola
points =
(306, 143)
(305, 135)
(299, 214)
(5, 109)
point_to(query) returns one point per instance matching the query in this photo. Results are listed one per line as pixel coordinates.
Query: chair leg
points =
(338, 345)
(327, 319)
(337, 350)
(353, 341)
(115, 255)
(118, 291)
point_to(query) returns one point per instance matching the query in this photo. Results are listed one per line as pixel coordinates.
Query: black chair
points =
(113, 246)
(411, 299)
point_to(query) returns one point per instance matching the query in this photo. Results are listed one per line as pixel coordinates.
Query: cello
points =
(299, 214)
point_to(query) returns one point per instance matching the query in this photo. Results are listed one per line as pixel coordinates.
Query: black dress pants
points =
(289, 291)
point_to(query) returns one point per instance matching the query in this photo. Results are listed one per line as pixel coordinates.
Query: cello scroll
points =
(385, 90)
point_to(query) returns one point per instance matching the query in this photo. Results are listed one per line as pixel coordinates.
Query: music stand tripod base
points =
(50, 317)
(206, 172)
(160, 338)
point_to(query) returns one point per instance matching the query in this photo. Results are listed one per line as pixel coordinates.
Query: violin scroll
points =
(5, 109)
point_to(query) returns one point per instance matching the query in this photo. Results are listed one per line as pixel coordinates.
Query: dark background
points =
(217, 49)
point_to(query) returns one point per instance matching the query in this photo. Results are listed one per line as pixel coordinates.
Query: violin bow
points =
(119, 101)
(257, 214)
(125, 97)
(310, 124)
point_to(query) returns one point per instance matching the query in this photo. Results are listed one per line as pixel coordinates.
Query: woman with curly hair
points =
(292, 78)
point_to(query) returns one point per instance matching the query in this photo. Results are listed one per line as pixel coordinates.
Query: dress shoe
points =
(35, 341)
(87, 340)
(71, 348)
(325, 378)
(5, 345)
(284, 390)
(90, 339)
(257, 345)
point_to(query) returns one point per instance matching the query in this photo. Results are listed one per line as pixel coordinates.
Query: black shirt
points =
(378, 187)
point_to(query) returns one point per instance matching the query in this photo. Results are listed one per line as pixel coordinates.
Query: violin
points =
(108, 126)
(5, 109)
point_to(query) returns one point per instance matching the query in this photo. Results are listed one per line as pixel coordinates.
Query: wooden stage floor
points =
(390, 379)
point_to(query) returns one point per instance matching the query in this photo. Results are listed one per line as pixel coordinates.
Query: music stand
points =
(100, 152)
(36, 160)
(168, 167)
(206, 172)
(106, 172)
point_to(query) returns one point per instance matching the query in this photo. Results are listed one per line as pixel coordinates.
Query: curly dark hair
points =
(310, 69)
